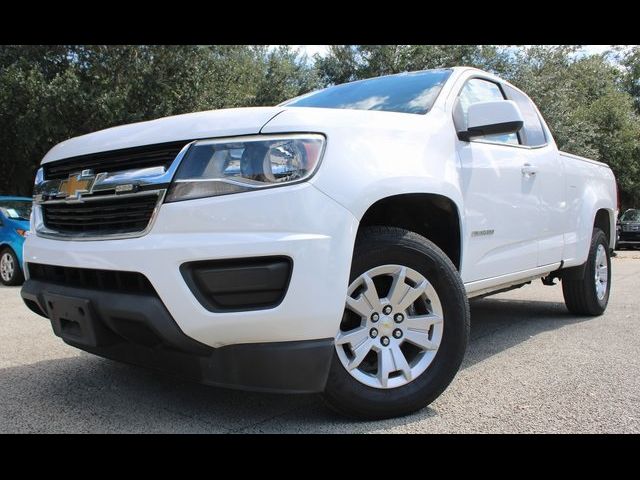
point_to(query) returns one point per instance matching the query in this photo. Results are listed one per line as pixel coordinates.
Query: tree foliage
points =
(345, 63)
(50, 93)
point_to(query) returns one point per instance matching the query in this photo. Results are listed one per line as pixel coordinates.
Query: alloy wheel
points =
(392, 327)
(7, 267)
(601, 272)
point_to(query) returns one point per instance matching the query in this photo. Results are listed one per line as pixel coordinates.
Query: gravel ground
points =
(530, 367)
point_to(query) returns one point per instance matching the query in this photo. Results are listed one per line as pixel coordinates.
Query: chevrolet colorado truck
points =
(328, 244)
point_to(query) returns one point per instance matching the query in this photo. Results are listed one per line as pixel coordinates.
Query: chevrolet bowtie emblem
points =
(76, 185)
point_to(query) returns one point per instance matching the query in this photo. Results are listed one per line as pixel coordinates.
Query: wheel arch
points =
(435, 216)
(604, 219)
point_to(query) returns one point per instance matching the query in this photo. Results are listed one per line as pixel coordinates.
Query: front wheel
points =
(404, 330)
(10, 272)
(589, 294)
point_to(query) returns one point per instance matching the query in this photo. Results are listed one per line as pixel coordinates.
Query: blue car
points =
(14, 227)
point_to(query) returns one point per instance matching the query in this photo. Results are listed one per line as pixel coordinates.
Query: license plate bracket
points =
(73, 319)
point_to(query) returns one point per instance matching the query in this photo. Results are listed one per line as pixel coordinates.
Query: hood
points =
(190, 126)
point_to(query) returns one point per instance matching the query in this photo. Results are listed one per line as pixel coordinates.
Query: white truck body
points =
(522, 212)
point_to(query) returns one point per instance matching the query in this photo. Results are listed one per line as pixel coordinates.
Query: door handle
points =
(529, 170)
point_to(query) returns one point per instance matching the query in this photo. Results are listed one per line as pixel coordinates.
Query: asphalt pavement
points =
(530, 367)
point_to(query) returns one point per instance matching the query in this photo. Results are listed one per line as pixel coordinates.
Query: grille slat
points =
(63, 208)
(111, 280)
(95, 222)
(101, 217)
(161, 155)
(83, 217)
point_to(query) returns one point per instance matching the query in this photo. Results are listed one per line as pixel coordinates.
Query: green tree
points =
(353, 62)
(285, 76)
(586, 107)
(629, 59)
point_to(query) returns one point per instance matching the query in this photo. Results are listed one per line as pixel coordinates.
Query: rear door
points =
(501, 209)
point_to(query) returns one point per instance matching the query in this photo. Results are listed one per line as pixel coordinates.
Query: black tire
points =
(17, 278)
(579, 293)
(377, 246)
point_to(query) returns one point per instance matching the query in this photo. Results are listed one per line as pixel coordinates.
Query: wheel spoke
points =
(385, 366)
(423, 322)
(420, 339)
(359, 353)
(354, 337)
(412, 295)
(602, 273)
(371, 294)
(400, 362)
(398, 288)
(359, 305)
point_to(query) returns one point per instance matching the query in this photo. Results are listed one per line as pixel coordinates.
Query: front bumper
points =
(138, 329)
(298, 222)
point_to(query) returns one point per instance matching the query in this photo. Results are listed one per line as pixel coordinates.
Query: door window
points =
(474, 91)
(532, 133)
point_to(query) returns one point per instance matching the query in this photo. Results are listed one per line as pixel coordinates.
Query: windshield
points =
(631, 216)
(406, 93)
(16, 209)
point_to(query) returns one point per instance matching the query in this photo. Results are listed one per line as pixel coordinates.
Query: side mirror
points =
(492, 118)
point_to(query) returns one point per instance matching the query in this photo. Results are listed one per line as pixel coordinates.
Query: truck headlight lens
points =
(39, 177)
(224, 166)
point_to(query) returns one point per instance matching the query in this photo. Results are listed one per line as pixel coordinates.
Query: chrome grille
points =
(101, 216)
(160, 155)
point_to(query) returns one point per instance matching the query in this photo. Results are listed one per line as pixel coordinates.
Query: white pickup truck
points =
(328, 244)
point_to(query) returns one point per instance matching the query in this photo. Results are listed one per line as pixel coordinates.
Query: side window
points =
(532, 134)
(474, 91)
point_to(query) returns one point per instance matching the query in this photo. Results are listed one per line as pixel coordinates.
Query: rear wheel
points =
(10, 271)
(404, 330)
(589, 294)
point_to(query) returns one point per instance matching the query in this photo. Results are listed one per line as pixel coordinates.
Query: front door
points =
(502, 211)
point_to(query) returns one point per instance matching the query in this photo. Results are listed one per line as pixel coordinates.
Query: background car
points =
(629, 229)
(14, 227)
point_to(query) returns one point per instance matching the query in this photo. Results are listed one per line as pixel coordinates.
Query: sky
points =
(311, 50)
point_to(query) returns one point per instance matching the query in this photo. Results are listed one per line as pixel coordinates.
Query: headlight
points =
(221, 167)
(39, 176)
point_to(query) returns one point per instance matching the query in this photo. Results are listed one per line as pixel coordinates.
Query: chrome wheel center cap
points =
(386, 326)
